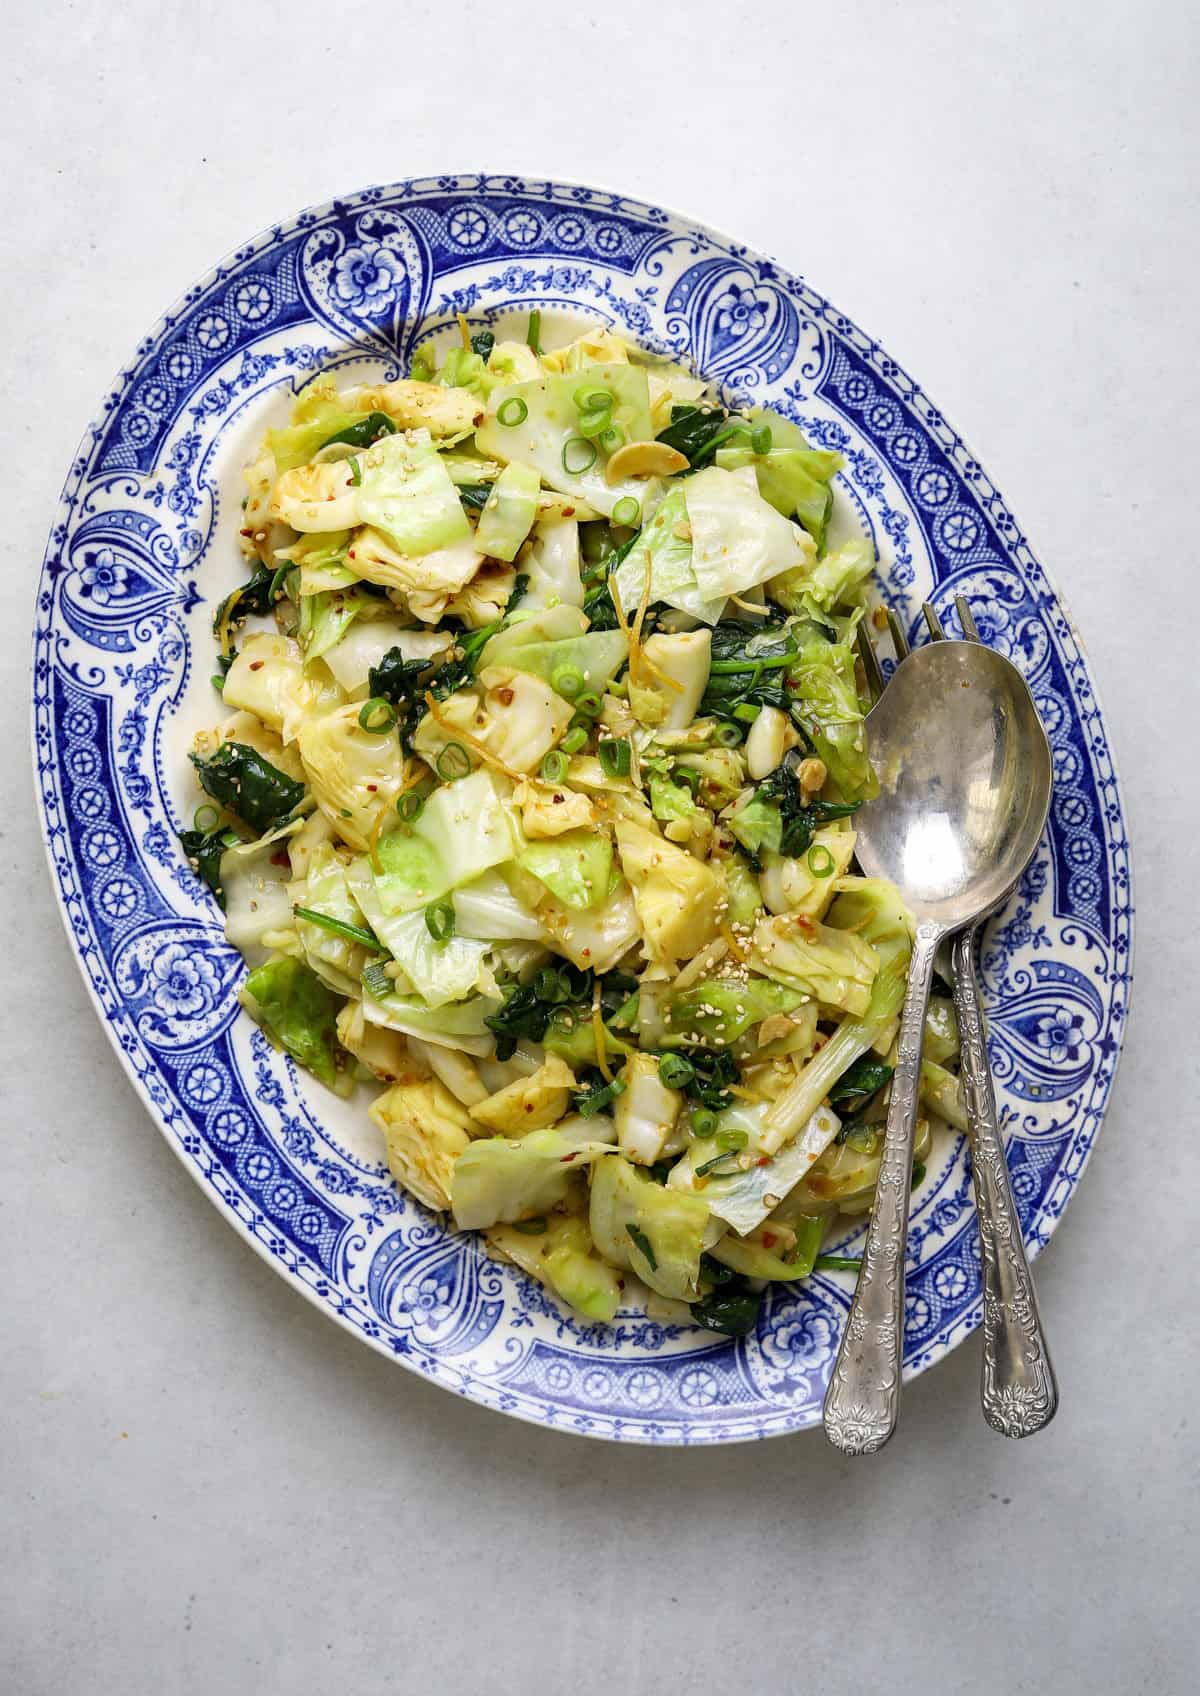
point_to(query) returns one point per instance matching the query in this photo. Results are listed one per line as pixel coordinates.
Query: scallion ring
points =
(675, 1071)
(439, 919)
(627, 511)
(377, 716)
(552, 986)
(574, 740)
(616, 758)
(453, 762)
(512, 412)
(592, 424)
(554, 766)
(567, 681)
(761, 439)
(578, 455)
(589, 705)
(704, 1124)
(732, 1138)
(820, 860)
(727, 736)
(355, 473)
(595, 399)
(207, 818)
(612, 439)
(410, 806)
(564, 1019)
(746, 711)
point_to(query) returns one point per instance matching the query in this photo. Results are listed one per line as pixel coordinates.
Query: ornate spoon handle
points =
(1019, 1390)
(863, 1398)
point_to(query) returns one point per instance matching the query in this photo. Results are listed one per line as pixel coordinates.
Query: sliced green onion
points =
(836, 1263)
(578, 455)
(612, 438)
(589, 705)
(278, 579)
(727, 735)
(452, 762)
(554, 766)
(704, 1124)
(564, 1019)
(746, 711)
(512, 411)
(761, 439)
(574, 740)
(820, 860)
(616, 758)
(675, 1071)
(597, 399)
(439, 919)
(410, 806)
(534, 331)
(206, 818)
(732, 1138)
(643, 1244)
(591, 424)
(567, 681)
(376, 981)
(355, 473)
(627, 511)
(352, 933)
(709, 1164)
(377, 716)
(552, 986)
(530, 1227)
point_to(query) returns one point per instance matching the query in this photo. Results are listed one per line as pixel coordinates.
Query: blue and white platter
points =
(144, 545)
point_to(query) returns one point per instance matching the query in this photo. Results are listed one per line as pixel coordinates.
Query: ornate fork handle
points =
(863, 1398)
(1020, 1394)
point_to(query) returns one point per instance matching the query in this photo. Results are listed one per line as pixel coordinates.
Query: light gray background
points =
(204, 1485)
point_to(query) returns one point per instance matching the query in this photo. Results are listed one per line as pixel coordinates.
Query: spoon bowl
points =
(964, 782)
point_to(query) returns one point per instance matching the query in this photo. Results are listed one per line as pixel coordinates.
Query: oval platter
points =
(144, 545)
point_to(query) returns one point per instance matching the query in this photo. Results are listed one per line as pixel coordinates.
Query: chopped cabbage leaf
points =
(508, 513)
(743, 1194)
(738, 539)
(575, 867)
(459, 1024)
(551, 564)
(463, 830)
(436, 971)
(499, 1179)
(663, 546)
(545, 435)
(426, 1129)
(655, 1231)
(406, 493)
(297, 1011)
(563, 1258)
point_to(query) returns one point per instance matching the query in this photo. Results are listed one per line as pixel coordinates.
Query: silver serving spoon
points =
(1018, 1389)
(954, 739)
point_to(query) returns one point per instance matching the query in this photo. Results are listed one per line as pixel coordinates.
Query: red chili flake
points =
(505, 697)
(569, 512)
(246, 532)
(763, 1160)
(558, 799)
(566, 1159)
(769, 1239)
(257, 665)
(372, 787)
(280, 857)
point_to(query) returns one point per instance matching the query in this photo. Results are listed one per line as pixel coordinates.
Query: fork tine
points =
(899, 639)
(966, 618)
(936, 633)
(870, 662)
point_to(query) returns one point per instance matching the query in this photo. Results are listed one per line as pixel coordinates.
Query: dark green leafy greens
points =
(731, 1306)
(697, 432)
(597, 1094)
(859, 1082)
(643, 1245)
(482, 343)
(364, 431)
(240, 778)
(256, 595)
(800, 819)
(526, 1014)
(597, 598)
(204, 849)
(474, 496)
(749, 668)
(714, 1070)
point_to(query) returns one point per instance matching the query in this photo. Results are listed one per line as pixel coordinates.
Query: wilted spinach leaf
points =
(204, 849)
(366, 430)
(240, 778)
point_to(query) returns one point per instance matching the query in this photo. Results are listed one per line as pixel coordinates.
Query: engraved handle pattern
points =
(1019, 1391)
(863, 1399)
